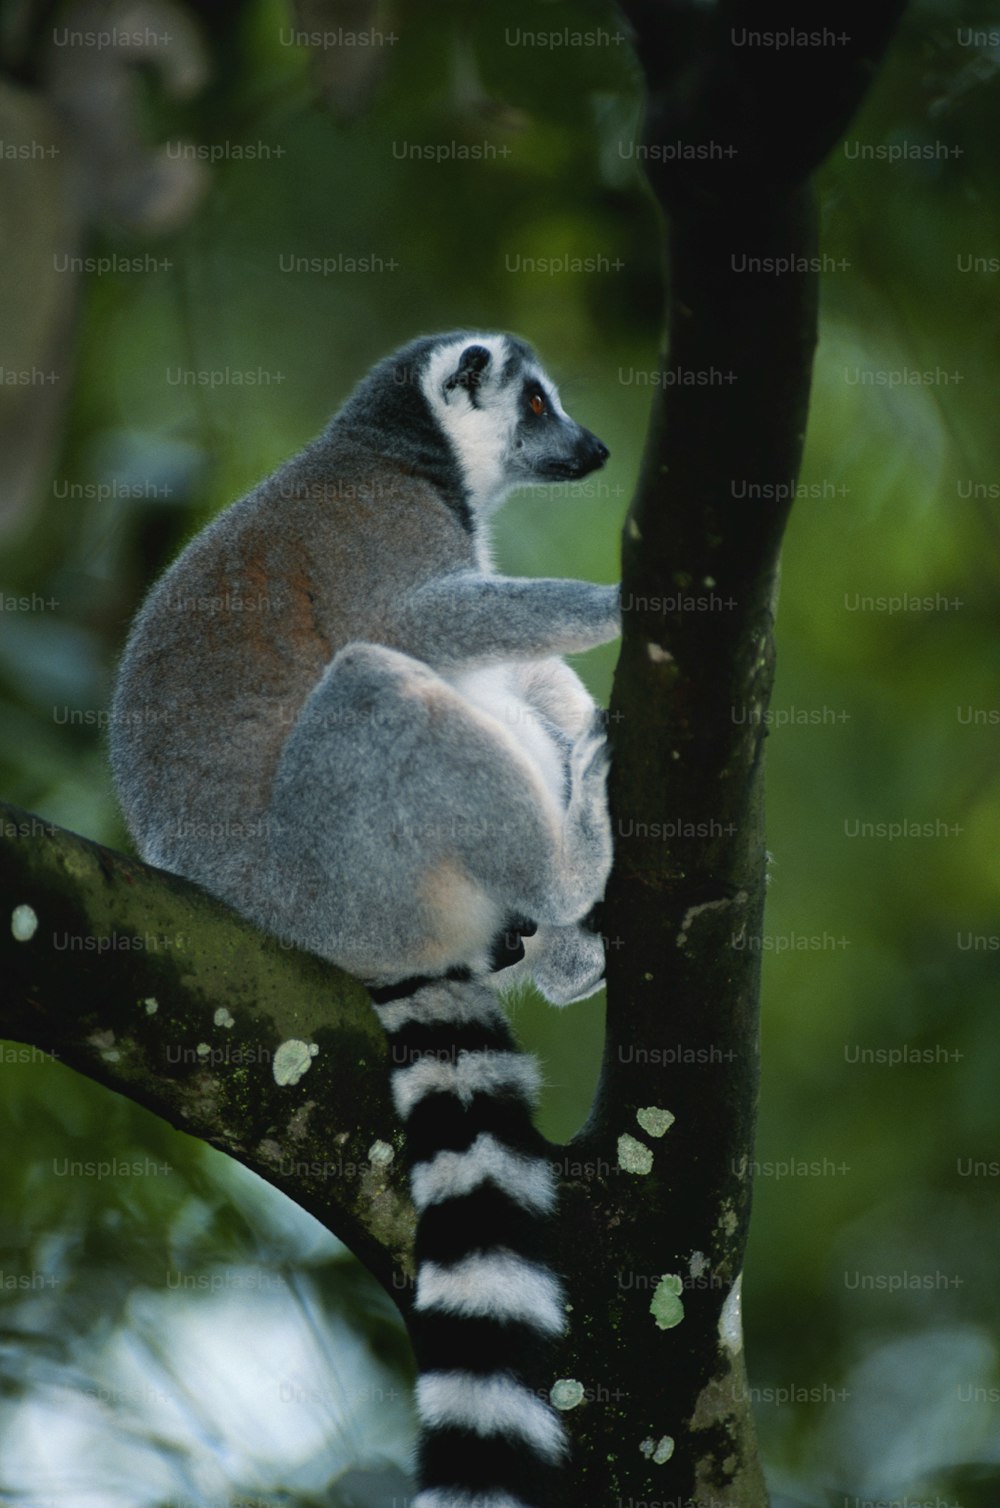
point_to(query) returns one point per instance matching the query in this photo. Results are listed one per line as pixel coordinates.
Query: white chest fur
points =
(495, 690)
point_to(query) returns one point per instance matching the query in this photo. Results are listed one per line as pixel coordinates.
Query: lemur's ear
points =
(469, 373)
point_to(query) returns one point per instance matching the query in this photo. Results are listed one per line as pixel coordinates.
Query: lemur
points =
(412, 785)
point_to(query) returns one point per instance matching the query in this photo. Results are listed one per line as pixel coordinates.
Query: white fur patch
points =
(494, 1285)
(454, 1002)
(493, 690)
(480, 435)
(450, 1175)
(493, 1405)
(470, 1074)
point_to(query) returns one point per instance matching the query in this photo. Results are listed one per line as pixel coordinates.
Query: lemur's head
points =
(502, 417)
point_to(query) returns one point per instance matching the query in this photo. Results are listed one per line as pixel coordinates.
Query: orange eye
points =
(537, 403)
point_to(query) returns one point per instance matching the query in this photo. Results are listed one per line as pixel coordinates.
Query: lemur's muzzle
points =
(584, 456)
(596, 452)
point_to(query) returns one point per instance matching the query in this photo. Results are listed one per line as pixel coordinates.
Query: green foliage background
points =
(870, 1300)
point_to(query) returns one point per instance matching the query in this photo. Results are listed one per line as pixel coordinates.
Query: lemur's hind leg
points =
(566, 963)
(410, 828)
(587, 846)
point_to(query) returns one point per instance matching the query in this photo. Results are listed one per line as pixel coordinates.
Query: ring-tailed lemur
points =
(408, 781)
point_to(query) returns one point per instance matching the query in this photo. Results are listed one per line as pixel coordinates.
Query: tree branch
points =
(149, 985)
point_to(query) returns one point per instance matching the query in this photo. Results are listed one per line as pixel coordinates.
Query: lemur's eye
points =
(536, 403)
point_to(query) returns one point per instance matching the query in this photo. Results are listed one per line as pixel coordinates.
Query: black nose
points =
(598, 451)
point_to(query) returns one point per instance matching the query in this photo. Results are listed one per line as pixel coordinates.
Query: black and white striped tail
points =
(487, 1308)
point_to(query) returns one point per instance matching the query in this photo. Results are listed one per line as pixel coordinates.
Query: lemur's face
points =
(503, 418)
(549, 445)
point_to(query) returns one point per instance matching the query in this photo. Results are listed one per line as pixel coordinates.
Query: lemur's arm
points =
(469, 618)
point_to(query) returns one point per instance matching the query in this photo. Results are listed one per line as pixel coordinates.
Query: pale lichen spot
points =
(223, 1018)
(728, 1220)
(298, 1121)
(648, 978)
(731, 1318)
(634, 532)
(566, 1393)
(658, 654)
(633, 1157)
(666, 1307)
(203, 1049)
(654, 1120)
(292, 1059)
(23, 923)
(697, 1264)
(693, 912)
(659, 1450)
(111, 1055)
(380, 1153)
(151, 1004)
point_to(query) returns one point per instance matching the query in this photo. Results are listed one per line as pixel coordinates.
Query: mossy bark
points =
(147, 984)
